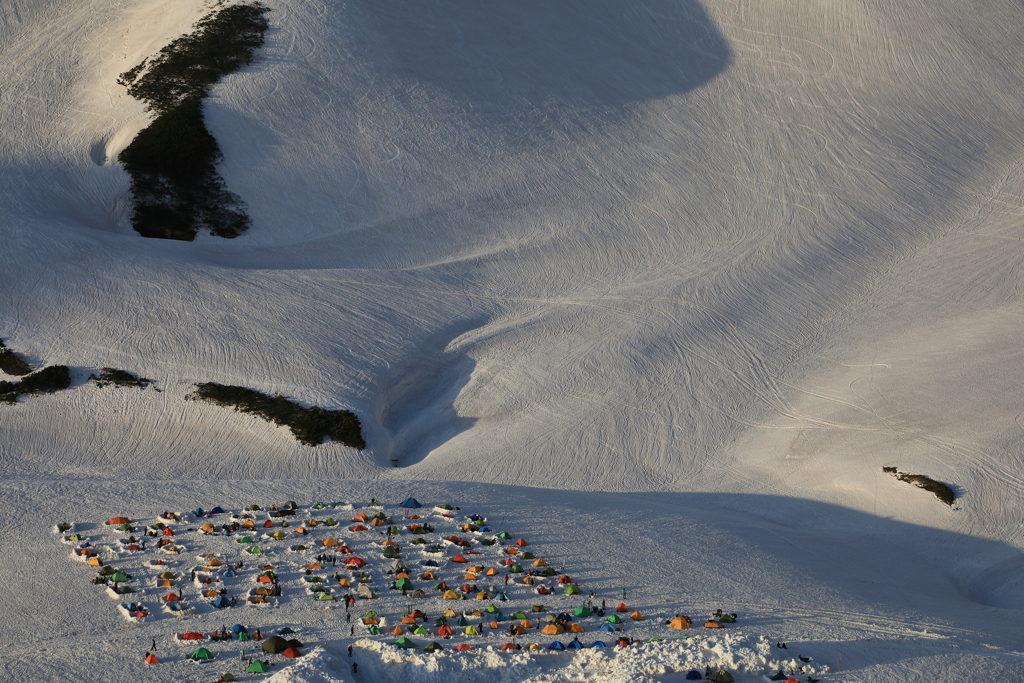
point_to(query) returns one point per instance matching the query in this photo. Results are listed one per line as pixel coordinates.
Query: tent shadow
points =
(533, 65)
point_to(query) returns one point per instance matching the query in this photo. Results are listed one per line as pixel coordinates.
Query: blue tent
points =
(411, 502)
(428, 563)
(238, 628)
(285, 631)
(217, 510)
(229, 572)
(556, 646)
(607, 627)
(198, 512)
(598, 643)
(694, 675)
(221, 602)
(575, 644)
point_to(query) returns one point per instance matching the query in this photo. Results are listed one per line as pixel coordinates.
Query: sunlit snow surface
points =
(723, 259)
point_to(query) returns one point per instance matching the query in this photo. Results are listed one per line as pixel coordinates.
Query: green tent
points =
(490, 609)
(242, 635)
(313, 579)
(118, 577)
(275, 645)
(201, 654)
(516, 569)
(374, 631)
(527, 556)
(779, 676)
(727, 619)
(331, 522)
(420, 631)
(370, 614)
(582, 611)
(446, 506)
(504, 535)
(405, 643)
(245, 539)
(614, 619)
(255, 550)
(549, 571)
(519, 615)
(433, 647)
(319, 506)
(404, 584)
(125, 527)
(572, 589)
(257, 667)
(107, 571)
(325, 596)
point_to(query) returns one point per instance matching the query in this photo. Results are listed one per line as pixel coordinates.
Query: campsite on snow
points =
(524, 341)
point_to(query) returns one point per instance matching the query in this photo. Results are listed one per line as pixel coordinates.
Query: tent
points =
(421, 631)
(201, 655)
(614, 619)
(582, 611)
(636, 616)
(221, 602)
(556, 646)
(433, 647)
(552, 630)
(373, 631)
(576, 628)
(511, 646)
(694, 675)
(242, 636)
(540, 562)
(680, 623)
(711, 623)
(608, 627)
(217, 510)
(117, 521)
(404, 643)
(227, 677)
(151, 659)
(471, 631)
(462, 647)
(404, 585)
(573, 589)
(275, 645)
(257, 667)
(450, 595)
(288, 631)
(192, 635)
(364, 592)
(575, 644)
(459, 558)
(722, 676)
(291, 653)
(622, 607)
(727, 619)
(521, 543)
(410, 502)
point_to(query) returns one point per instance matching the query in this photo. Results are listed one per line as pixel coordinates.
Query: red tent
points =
(463, 648)
(622, 607)
(171, 597)
(268, 524)
(510, 646)
(445, 631)
(291, 653)
(151, 659)
(358, 527)
(168, 531)
(193, 635)
(355, 561)
(459, 558)
(564, 579)
(521, 543)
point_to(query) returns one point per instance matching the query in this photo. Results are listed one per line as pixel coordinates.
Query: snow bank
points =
(741, 655)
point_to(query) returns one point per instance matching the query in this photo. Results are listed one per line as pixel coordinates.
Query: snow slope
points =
(744, 252)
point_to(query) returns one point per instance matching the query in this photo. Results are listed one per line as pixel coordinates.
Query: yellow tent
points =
(450, 595)
(552, 630)
(539, 562)
(535, 646)
(331, 543)
(680, 623)
(95, 562)
(448, 613)
(471, 631)
(483, 595)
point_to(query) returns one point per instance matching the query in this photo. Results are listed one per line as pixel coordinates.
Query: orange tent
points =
(168, 531)
(540, 562)
(95, 562)
(377, 521)
(552, 630)
(268, 524)
(208, 528)
(521, 543)
(711, 623)
(214, 563)
(493, 624)
(344, 582)
(491, 572)
(622, 607)
(469, 577)
(428, 576)
(370, 621)
(402, 575)
(361, 517)
(265, 579)
(310, 522)
(408, 619)
(301, 530)
(151, 659)
(117, 521)
(528, 580)
(358, 527)
(680, 623)
(526, 623)
(398, 631)
(576, 628)
(636, 616)
(331, 543)
(462, 647)
(249, 524)
(512, 551)
(315, 565)
(475, 570)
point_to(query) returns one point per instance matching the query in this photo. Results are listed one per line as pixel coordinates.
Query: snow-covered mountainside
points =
(676, 277)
